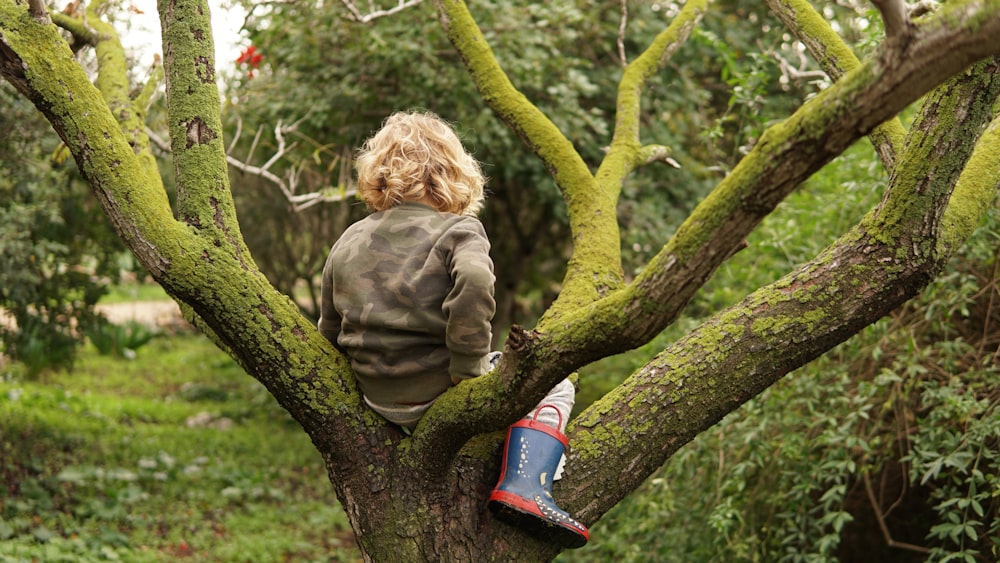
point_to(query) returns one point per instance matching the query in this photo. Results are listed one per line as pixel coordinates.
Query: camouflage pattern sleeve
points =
(470, 305)
(329, 318)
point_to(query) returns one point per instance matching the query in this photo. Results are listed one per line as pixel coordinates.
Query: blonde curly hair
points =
(419, 157)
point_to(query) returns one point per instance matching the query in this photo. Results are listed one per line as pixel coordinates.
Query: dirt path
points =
(161, 314)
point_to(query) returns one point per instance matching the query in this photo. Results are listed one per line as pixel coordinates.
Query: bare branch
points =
(38, 10)
(239, 131)
(290, 182)
(373, 14)
(895, 18)
(800, 71)
(621, 35)
(881, 521)
(157, 140)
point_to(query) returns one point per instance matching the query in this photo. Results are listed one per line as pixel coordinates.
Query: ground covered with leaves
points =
(176, 453)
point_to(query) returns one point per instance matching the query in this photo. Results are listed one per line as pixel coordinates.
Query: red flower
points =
(251, 58)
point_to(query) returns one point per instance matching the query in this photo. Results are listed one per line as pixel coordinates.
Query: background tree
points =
(323, 57)
(56, 252)
(420, 497)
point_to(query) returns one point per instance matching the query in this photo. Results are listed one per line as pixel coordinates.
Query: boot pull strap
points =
(551, 406)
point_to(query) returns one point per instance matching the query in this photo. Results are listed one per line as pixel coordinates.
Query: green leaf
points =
(42, 534)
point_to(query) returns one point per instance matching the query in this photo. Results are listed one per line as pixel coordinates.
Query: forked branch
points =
(894, 18)
(373, 14)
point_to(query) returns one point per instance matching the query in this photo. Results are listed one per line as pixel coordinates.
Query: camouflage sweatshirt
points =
(408, 294)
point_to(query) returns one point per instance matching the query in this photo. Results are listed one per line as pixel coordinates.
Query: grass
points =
(177, 453)
(129, 292)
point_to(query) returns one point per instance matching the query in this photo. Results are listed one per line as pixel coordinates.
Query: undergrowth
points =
(885, 449)
(176, 453)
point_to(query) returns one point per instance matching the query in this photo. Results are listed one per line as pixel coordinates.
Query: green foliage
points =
(120, 341)
(902, 421)
(54, 254)
(176, 454)
(342, 78)
(134, 292)
(955, 453)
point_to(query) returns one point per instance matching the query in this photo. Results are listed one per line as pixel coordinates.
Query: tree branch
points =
(885, 260)
(263, 329)
(375, 14)
(591, 211)
(127, 187)
(786, 155)
(38, 10)
(974, 193)
(621, 34)
(589, 274)
(656, 153)
(76, 26)
(289, 184)
(881, 520)
(836, 59)
(894, 18)
(145, 96)
(203, 198)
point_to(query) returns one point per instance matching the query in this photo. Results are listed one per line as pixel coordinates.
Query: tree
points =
(55, 251)
(422, 497)
(321, 58)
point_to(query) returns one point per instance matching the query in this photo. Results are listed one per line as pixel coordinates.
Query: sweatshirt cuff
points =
(467, 367)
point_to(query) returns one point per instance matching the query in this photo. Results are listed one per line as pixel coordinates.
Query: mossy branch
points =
(786, 155)
(741, 351)
(624, 154)
(596, 265)
(836, 59)
(486, 403)
(975, 191)
(212, 274)
(591, 274)
(144, 97)
(87, 28)
(77, 27)
(37, 61)
(936, 152)
(203, 198)
(510, 105)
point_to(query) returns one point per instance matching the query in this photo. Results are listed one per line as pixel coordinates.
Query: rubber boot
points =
(523, 495)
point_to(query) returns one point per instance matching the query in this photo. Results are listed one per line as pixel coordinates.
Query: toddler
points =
(407, 294)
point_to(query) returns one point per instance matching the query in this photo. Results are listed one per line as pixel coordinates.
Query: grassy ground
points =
(176, 453)
(132, 292)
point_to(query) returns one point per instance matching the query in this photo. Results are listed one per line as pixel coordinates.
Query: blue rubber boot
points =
(523, 496)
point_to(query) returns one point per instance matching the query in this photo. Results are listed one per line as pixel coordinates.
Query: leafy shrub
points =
(119, 340)
(54, 256)
(39, 346)
(885, 449)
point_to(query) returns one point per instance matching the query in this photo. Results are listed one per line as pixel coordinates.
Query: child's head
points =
(418, 157)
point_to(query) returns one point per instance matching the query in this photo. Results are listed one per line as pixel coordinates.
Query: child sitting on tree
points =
(407, 294)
